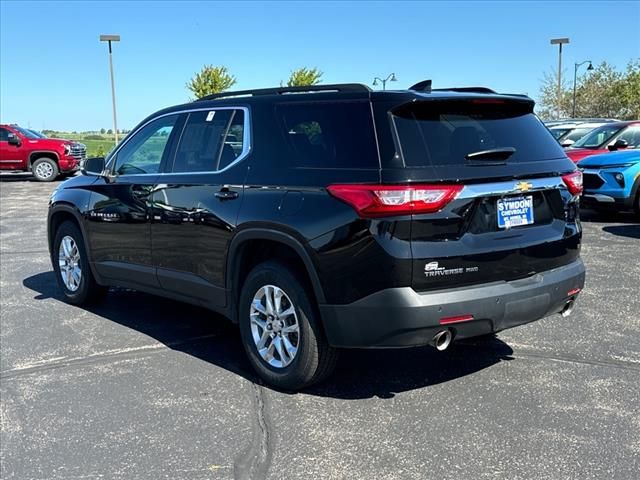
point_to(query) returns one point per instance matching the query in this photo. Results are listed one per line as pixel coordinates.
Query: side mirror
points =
(618, 145)
(567, 143)
(93, 166)
(14, 140)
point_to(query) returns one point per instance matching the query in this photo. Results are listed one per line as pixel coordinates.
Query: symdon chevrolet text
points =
(328, 217)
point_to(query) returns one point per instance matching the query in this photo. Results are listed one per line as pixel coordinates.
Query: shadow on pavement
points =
(631, 231)
(212, 338)
(607, 216)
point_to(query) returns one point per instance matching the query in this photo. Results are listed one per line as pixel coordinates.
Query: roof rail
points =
(342, 87)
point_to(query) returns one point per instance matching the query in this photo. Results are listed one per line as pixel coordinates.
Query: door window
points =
(632, 136)
(211, 140)
(145, 150)
(4, 135)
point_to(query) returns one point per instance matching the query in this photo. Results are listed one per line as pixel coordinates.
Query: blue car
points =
(612, 180)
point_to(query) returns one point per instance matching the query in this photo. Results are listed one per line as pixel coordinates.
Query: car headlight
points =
(67, 148)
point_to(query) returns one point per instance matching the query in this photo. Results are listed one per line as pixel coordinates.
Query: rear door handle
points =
(226, 194)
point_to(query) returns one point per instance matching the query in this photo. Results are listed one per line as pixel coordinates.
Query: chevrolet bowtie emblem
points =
(523, 186)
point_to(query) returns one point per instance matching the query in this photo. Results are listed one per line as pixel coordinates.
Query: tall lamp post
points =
(109, 39)
(390, 78)
(559, 42)
(575, 74)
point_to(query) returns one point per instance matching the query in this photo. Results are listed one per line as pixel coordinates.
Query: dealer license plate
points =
(515, 211)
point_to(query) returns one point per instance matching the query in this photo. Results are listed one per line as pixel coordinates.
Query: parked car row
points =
(23, 150)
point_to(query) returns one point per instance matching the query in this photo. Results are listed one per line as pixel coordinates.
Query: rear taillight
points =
(386, 200)
(573, 181)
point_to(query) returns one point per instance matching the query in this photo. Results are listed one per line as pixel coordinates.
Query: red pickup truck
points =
(46, 158)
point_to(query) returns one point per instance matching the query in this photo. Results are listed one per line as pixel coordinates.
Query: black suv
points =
(332, 216)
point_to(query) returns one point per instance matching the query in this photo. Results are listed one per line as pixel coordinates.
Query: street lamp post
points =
(109, 39)
(559, 42)
(390, 78)
(575, 74)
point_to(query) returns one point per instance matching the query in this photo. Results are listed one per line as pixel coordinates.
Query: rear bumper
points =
(402, 317)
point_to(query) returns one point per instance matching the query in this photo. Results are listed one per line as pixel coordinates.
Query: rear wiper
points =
(495, 154)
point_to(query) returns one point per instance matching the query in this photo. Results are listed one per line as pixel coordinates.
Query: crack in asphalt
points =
(255, 461)
(62, 362)
(626, 365)
(13, 252)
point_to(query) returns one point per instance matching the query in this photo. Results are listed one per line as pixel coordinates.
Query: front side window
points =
(144, 151)
(26, 133)
(597, 137)
(4, 135)
(632, 136)
(211, 141)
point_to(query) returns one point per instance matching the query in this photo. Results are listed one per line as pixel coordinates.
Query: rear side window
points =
(443, 133)
(329, 134)
(211, 140)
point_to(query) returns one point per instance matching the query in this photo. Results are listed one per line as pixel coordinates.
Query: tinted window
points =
(443, 133)
(4, 135)
(144, 151)
(329, 135)
(577, 133)
(211, 140)
(558, 132)
(234, 140)
(631, 135)
(597, 137)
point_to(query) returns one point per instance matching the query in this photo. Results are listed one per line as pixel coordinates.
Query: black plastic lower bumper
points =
(402, 317)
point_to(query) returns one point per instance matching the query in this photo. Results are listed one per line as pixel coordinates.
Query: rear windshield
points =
(443, 133)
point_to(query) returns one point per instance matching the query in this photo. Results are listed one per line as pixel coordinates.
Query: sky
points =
(54, 73)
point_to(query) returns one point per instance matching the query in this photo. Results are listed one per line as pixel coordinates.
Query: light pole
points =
(109, 39)
(559, 42)
(390, 78)
(575, 74)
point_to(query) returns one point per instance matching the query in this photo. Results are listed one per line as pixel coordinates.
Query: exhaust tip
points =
(442, 340)
(568, 308)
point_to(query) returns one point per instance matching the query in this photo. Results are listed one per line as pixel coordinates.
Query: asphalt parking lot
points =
(142, 387)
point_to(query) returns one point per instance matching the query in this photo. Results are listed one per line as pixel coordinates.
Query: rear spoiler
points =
(425, 87)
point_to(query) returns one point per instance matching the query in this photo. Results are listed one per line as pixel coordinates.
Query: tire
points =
(314, 359)
(79, 289)
(45, 169)
(636, 204)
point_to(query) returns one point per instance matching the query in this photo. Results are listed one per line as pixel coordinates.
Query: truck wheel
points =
(71, 266)
(636, 204)
(280, 329)
(45, 169)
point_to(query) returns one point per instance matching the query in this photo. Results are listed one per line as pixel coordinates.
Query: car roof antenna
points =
(423, 86)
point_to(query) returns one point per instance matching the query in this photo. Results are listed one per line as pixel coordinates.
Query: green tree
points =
(109, 132)
(102, 131)
(603, 92)
(304, 76)
(211, 80)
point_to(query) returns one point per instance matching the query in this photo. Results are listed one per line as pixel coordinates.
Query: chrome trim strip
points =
(598, 197)
(509, 187)
(246, 141)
